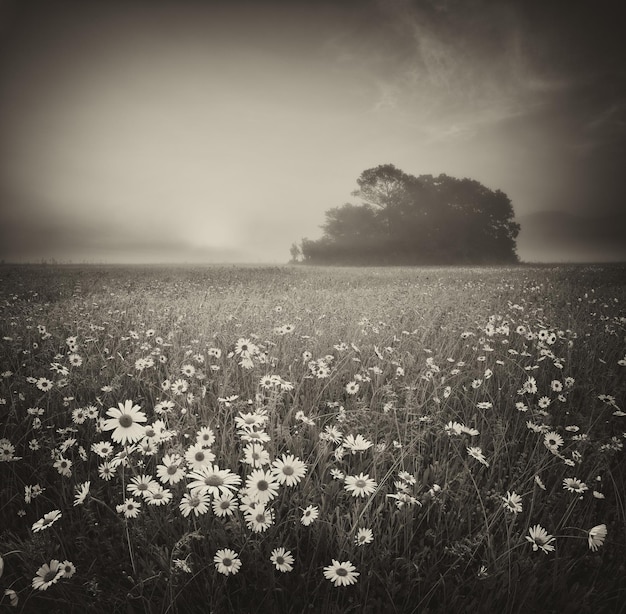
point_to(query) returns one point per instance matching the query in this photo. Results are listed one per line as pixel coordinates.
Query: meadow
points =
(294, 439)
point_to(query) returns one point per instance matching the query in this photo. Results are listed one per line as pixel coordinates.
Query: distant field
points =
(289, 439)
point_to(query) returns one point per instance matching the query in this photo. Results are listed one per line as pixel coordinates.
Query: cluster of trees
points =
(416, 220)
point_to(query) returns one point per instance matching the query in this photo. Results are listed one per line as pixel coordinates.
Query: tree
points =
(417, 220)
(295, 252)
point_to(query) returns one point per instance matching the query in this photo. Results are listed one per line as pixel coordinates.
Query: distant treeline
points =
(415, 220)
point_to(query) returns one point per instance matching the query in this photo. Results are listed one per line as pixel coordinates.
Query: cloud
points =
(453, 67)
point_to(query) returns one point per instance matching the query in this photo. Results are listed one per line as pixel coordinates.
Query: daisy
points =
(250, 420)
(544, 402)
(164, 407)
(224, 504)
(596, 536)
(188, 370)
(283, 559)
(130, 508)
(48, 520)
(179, 387)
(540, 538)
(337, 474)
(245, 348)
(259, 519)
(7, 450)
(124, 422)
(140, 485)
(261, 486)
(156, 432)
(79, 415)
(197, 502)
(68, 569)
(357, 444)
(123, 456)
(575, 485)
(255, 455)
(44, 384)
(477, 453)
(364, 536)
(47, 575)
(214, 353)
(91, 411)
(331, 433)
(352, 388)
(530, 385)
(556, 385)
(105, 471)
(213, 480)
(227, 561)
(253, 436)
(288, 470)
(206, 437)
(512, 502)
(198, 456)
(267, 382)
(82, 490)
(360, 485)
(157, 495)
(309, 515)
(63, 466)
(171, 470)
(341, 574)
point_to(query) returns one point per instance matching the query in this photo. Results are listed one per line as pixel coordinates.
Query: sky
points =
(221, 131)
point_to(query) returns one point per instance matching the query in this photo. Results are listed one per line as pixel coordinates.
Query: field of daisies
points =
(289, 439)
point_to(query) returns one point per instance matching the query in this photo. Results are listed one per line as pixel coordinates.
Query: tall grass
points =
(463, 381)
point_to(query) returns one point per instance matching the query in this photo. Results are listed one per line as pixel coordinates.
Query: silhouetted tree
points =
(417, 220)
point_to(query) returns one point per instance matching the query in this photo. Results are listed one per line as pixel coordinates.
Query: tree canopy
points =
(417, 220)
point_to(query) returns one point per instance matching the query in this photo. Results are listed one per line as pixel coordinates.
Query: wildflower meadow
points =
(294, 439)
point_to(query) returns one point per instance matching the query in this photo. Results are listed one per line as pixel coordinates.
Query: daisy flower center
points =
(214, 480)
(199, 456)
(288, 470)
(125, 420)
(227, 562)
(262, 485)
(341, 572)
(280, 560)
(172, 469)
(360, 483)
(50, 575)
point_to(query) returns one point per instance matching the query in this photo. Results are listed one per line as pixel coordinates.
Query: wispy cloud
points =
(455, 71)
